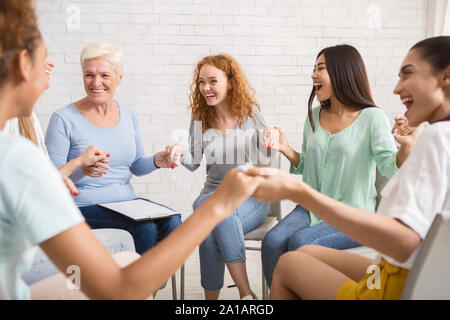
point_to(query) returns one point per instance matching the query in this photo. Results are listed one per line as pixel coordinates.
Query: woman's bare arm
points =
(102, 278)
(383, 233)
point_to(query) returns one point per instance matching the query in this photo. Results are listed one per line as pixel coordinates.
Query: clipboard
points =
(140, 209)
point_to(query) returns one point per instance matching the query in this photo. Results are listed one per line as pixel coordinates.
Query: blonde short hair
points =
(111, 53)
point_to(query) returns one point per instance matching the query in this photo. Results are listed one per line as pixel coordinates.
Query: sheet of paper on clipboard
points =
(140, 209)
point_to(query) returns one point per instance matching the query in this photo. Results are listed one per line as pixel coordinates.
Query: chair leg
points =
(174, 287)
(182, 283)
(264, 288)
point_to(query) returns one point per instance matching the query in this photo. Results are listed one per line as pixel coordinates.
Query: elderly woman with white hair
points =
(101, 120)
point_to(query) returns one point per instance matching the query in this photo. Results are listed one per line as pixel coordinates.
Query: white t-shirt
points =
(12, 128)
(421, 188)
(35, 205)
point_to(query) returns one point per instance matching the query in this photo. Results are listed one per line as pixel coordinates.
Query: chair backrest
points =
(380, 182)
(275, 210)
(275, 162)
(428, 278)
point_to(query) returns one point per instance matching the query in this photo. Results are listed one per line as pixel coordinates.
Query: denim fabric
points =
(146, 234)
(225, 244)
(294, 231)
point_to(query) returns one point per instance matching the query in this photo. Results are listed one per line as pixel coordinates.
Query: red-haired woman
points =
(227, 128)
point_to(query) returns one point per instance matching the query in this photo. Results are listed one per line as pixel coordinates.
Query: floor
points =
(193, 289)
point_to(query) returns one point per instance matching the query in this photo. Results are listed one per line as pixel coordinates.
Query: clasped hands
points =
(264, 184)
(404, 134)
(93, 162)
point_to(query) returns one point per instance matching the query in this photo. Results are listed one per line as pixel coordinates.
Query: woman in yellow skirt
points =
(410, 200)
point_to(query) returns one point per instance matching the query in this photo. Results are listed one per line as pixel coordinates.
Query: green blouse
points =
(343, 165)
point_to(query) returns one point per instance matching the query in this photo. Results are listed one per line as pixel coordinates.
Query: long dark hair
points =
(436, 51)
(348, 77)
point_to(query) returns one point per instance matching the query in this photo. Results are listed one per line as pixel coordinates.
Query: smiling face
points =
(100, 80)
(419, 89)
(321, 80)
(213, 84)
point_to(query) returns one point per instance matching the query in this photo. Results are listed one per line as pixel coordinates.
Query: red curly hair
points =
(241, 94)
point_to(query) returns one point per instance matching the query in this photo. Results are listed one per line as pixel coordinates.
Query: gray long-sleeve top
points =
(225, 152)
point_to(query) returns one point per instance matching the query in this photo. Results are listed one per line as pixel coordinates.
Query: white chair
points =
(272, 219)
(122, 236)
(259, 233)
(428, 278)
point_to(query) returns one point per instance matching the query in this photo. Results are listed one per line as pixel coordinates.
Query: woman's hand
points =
(236, 187)
(70, 185)
(94, 162)
(170, 157)
(405, 135)
(276, 184)
(96, 170)
(92, 155)
(275, 138)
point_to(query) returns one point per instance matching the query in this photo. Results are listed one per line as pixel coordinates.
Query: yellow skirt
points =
(386, 285)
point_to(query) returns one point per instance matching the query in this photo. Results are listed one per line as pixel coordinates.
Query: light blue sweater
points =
(69, 134)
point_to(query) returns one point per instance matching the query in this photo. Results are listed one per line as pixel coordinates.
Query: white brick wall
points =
(275, 41)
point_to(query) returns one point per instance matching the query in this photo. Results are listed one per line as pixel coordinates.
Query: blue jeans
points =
(294, 231)
(146, 234)
(225, 244)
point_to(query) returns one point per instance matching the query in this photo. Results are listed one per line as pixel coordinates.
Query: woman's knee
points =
(298, 240)
(308, 248)
(146, 228)
(200, 199)
(173, 222)
(228, 229)
(286, 261)
(277, 236)
(145, 236)
(270, 242)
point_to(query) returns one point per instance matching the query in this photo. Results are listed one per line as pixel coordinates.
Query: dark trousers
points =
(146, 234)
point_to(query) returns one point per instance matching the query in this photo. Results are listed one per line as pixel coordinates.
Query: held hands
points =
(94, 162)
(170, 157)
(276, 184)
(275, 138)
(405, 135)
(264, 184)
(236, 187)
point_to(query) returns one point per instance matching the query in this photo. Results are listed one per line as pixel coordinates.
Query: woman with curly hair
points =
(37, 210)
(226, 127)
